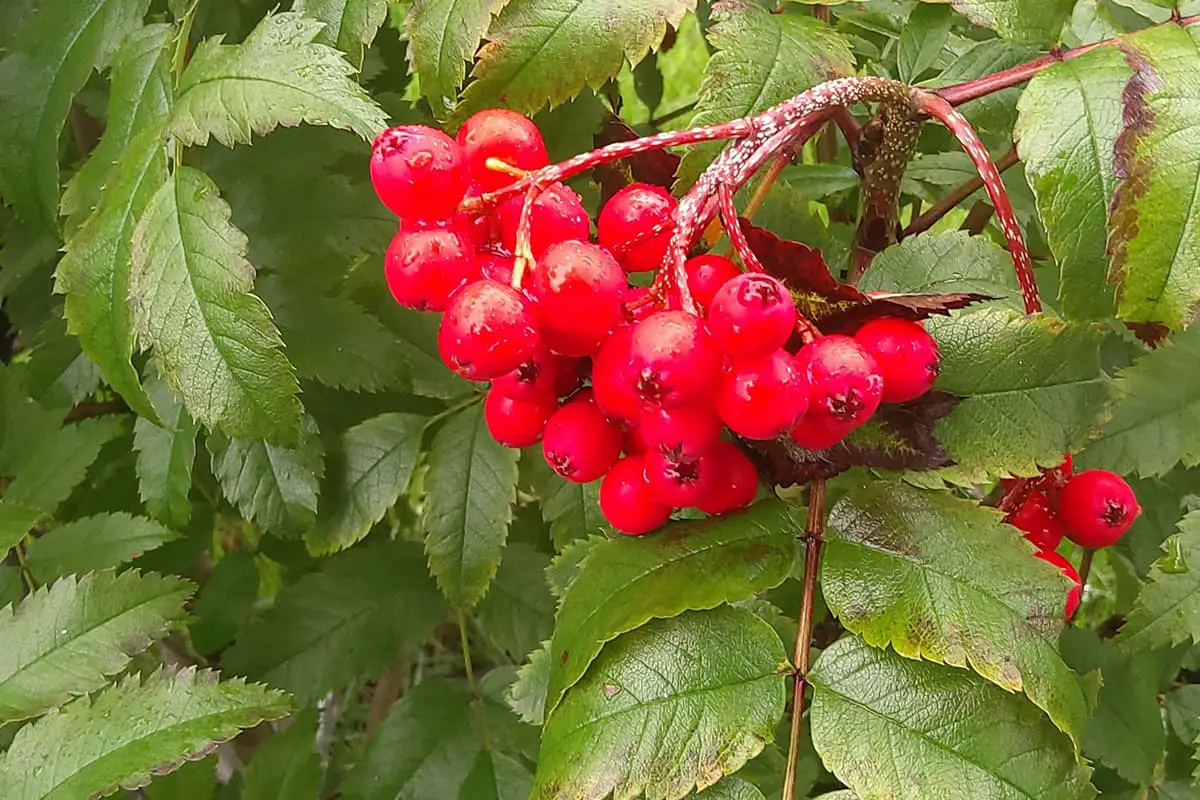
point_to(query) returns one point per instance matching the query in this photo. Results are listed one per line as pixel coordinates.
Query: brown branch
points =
(88, 410)
(977, 218)
(955, 197)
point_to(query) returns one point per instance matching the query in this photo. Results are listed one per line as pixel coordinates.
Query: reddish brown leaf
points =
(656, 168)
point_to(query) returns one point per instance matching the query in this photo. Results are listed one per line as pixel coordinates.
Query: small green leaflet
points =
(277, 76)
(350, 25)
(213, 340)
(131, 732)
(527, 695)
(944, 262)
(950, 734)
(94, 543)
(1167, 611)
(922, 40)
(731, 788)
(1027, 21)
(442, 38)
(57, 466)
(709, 684)
(572, 510)
(15, 522)
(287, 767)
(518, 611)
(225, 602)
(165, 455)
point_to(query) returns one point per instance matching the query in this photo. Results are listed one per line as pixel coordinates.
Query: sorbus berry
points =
(907, 356)
(1038, 522)
(557, 215)
(579, 443)
(418, 172)
(735, 483)
(628, 502)
(541, 376)
(751, 315)
(1075, 593)
(818, 434)
(424, 266)
(845, 386)
(627, 223)
(495, 268)
(504, 135)
(708, 273)
(686, 431)
(579, 288)
(612, 383)
(762, 398)
(672, 359)
(1097, 507)
(515, 422)
(487, 331)
(639, 304)
(680, 481)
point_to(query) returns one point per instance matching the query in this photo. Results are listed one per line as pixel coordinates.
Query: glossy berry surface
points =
(1097, 508)
(818, 434)
(1075, 592)
(423, 267)
(845, 385)
(907, 356)
(686, 431)
(672, 360)
(579, 443)
(762, 398)
(418, 172)
(579, 288)
(516, 423)
(708, 273)
(628, 502)
(1038, 522)
(679, 481)
(504, 135)
(557, 215)
(734, 483)
(487, 330)
(635, 224)
(612, 383)
(751, 315)
(495, 268)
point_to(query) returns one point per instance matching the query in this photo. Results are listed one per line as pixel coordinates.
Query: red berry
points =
(504, 135)
(1038, 522)
(579, 443)
(628, 222)
(495, 268)
(557, 215)
(1075, 593)
(418, 172)
(612, 383)
(1097, 507)
(751, 315)
(672, 359)
(579, 288)
(735, 483)
(686, 431)
(487, 331)
(907, 356)
(845, 386)
(628, 502)
(763, 398)
(424, 267)
(680, 481)
(822, 434)
(516, 423)
(639, 305)
(537, 378)
(706, 274)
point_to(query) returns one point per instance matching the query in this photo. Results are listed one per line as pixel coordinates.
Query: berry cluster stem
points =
(737, 236)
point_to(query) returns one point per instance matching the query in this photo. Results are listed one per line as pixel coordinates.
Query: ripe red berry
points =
(708, 273)
(818, 434)
(418, 172)
(612, 382)
(751, 315)
(680, 481)
(1038, 522)
(672, 360)
(734, 484)
(539, 377)
(495, 268)
(579, 288)
(504, 135)
(762, 398)
(487, 331)
(579, 443)
(845, 386)
(1075, 593)
(686, 431)
(628, 223)
(628, 502)
(425, 266)
(1097, 507)
(907, 356)
(516, 423)
(557, 215)
(639, 305)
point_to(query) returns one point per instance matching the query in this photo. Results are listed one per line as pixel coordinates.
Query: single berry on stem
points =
(1075, 593)
(557, 215)
(541, 376)
(680, 481)
(1097, 507)
(505, 135)
(635, 224)
(612, 382)
(487, 331)
(906, 354)
(685, 431)
(672, 359)
(762, 398)
(751, 315)
(819, 433)
(628, 502)
(845, 385)
(708, 273)
(1038, 522)
(423, 267)
(734, 483)
(495, 268)
(514, 422)
(418, 172)
(579, 443)
(579, 288)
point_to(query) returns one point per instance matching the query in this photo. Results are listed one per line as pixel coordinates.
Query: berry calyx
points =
(1075, 593)
(1038, 522)
(818, 434)
(762, 398)
(1097, 507)
(579, 288)
(579, 443)
(672, 359)
(505, 135)
(845, 385)
(418, 172)
(628, 502)
(734, 484)
(423, 267)
(540, 377)
(635, 224)
(679, 481)
(907, 356)
(751, 315)
(514, 422)
(685, 431)
(487, 331)
(557, 215)
(708, 273)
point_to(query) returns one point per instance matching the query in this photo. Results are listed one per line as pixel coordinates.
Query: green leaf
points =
(130, 732)
(350, 25)
(214, 343)
(545, 53)
(276, 487)
(67, 639)
(165, 456)
(15, 522)
(1027, 21)
(527, 696)
(943, 579)
(57, 466)
(442, 38)
(518, 611)
(1070, 116)
(287, 767)
(1126, 731)
(350, 619)
(225, 602)
(25, 424)
(626, 582)
(1032, 388)
(761, 59)
(922, 39)
(94, 543)
(46, 63)
(277, 76)
(708, 687)
(889, 727)
(945, 263)
(1154, 242)
(495, 776)
(732, 788)
(572, 510)
(372, 468)
(1167, 611)
(993, 115)
(470, 489)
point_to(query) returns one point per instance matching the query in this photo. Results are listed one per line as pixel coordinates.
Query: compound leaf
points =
(94, 543)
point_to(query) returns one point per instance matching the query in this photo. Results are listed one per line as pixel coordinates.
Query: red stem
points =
(733, 227)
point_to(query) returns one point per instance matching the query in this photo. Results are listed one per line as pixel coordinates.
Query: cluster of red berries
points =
(1093, 509)
(612, 384)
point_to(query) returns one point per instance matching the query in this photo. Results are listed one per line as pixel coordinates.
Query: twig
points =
(672, 115)
(977, 218)
(954, 197)
(387, 690)
(466, 653)
(88, 410)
